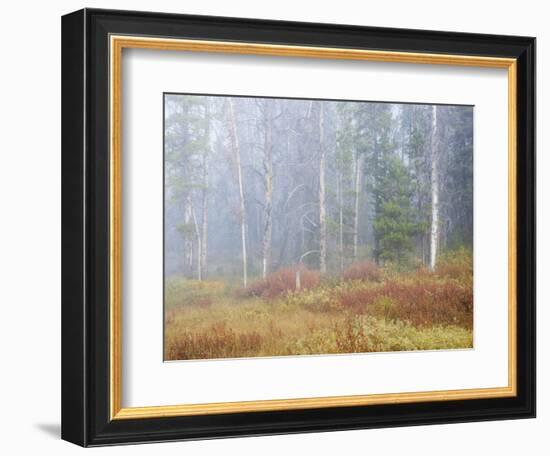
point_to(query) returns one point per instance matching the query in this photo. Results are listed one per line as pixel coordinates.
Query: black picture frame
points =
(85, 228)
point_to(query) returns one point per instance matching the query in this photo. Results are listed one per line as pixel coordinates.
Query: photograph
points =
(316, 226)
(272, 226)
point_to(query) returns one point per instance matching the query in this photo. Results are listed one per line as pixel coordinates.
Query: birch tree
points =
(187, 232)
(435, 154)
(199, 243)
(322, 192)
(242, 209)
(268, 186)
(203, 257)
(339, 195)
(359, 159)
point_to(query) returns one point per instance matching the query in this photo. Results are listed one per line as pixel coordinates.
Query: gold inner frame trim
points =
(116, 46)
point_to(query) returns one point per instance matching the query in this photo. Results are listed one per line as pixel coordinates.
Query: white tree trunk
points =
(339, 191)
(188, 240)
(358, 180)
(199, 243)
(205, 177)
(268, 176)
(204, 226)
(322, 195)
(434, 231)
(242, 211)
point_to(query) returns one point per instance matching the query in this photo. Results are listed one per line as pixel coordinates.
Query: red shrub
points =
(422, 273)
(456, 265)
(219, 341)
(421, 302)
(282, 281)
(358, 299)
(363, 270)
(454, 270)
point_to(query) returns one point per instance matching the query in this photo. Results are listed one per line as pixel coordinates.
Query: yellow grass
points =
(209, 319)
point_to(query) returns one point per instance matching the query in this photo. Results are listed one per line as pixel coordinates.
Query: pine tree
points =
(395, 225)
(186, 159)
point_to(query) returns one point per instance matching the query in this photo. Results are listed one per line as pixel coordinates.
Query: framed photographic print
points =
(279, 227)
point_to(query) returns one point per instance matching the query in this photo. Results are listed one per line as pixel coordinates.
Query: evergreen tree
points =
(186, 153)
(381, 146)
(458, 189)
(395, 224)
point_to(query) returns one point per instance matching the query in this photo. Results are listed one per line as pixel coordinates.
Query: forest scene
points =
(306, 227)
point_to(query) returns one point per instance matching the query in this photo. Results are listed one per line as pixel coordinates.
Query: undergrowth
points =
(369, 309)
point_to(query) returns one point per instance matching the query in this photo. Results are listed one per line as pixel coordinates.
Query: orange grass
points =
(282, 281)
(420, 302)
(369, 310)
(363, 270)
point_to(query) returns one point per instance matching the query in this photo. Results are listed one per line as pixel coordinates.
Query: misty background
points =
(256, 184)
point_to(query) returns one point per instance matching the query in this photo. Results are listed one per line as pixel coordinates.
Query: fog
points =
(256, 184)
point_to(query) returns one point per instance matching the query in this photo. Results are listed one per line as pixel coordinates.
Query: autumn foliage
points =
(281, 282)
(363, 270)
(420, 302)
(219, 341)
(368, 309)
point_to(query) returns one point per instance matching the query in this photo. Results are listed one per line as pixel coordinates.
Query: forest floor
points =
(366, 310)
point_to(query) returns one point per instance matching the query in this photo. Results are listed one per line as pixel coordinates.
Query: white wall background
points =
(30, 192)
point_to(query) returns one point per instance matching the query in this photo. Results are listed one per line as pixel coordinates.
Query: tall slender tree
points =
(340, 197)
(199, 242)
(188, 233)
(268, 186)
(435, 155)
(203, 258)
(322, 192)
(242, 207)
(359, 160)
